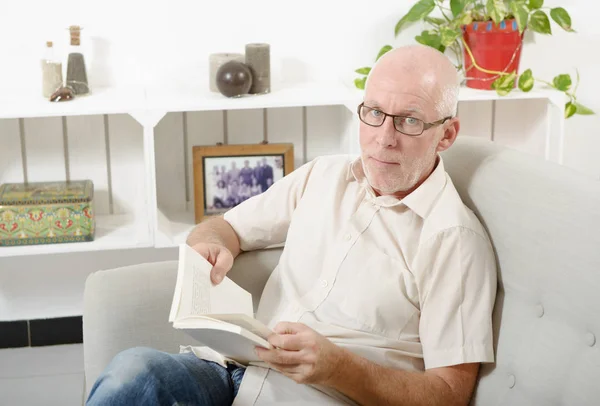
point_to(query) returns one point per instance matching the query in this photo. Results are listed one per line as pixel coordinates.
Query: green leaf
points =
(385, 49)
(467, 18)
(417, 12)
(479, 12)
(526, 81)
(429, 38)
(521, 14)
(457, 6)
(360, 82)
(504, 84)
(497, 10)
(539, 22)
(363, 71)
(562, 18)
(535, 4)
(570, 109)
(434, 20)
(562, 82)
(448, 36)
(581, 109)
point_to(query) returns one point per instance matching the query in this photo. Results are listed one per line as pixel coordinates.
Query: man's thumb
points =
(222, 265)
(217, 275)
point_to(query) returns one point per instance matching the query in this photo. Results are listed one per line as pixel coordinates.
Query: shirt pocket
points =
(374, 295)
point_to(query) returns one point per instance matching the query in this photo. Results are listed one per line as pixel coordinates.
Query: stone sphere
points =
(234, 79)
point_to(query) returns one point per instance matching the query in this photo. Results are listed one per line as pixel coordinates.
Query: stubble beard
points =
(404, 177)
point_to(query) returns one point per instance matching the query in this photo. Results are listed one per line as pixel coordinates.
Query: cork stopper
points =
(75, 34)
(49, 44)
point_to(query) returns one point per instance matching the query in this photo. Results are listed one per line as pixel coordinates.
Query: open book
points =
(219, 316)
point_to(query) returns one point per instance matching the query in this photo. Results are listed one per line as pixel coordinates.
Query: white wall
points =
(138, 42)
(563, 52)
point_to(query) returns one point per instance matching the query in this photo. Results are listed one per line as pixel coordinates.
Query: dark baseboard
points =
(41, 332)
(14, 334)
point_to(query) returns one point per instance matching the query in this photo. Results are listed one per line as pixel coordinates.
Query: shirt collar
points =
(421, 200)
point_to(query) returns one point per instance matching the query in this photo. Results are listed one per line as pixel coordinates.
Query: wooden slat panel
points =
(170, 166)
(285, 125)
(245, 126)
(127, 165)
(324, 131)
(87, 156)
(521, 124)
(204, 128)
(350, 132)
(11, 164)
(475, 119)
(45, 149)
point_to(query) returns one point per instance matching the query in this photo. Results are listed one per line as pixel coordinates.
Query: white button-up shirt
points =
(408, 284)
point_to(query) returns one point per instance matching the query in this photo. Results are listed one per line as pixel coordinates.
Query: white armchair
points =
(542, 220)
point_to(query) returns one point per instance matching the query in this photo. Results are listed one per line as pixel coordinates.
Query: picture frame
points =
(226, 175)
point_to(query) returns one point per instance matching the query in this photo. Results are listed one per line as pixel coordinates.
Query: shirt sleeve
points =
(264, 219)
(457, 291)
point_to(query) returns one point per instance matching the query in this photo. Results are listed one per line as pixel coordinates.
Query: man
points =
(247, 173)
(266, 179)
(233, 174)
(385, 287)
(258, 173)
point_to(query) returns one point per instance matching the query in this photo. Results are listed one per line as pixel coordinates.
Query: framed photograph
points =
(227, 175)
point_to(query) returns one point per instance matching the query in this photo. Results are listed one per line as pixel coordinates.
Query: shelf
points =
(163, 99)
(101, 101)
(112, 233)
(467, 94)
(200, 99)
(138, 99)
(173, 228)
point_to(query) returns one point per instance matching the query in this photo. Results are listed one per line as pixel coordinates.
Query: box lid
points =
(78, 191)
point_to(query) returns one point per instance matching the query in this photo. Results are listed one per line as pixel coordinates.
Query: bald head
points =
(422, 66)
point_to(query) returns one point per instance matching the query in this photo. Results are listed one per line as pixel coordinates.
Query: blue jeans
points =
(144, 376)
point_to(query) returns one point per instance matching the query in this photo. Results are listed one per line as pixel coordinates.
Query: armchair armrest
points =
(129, 307)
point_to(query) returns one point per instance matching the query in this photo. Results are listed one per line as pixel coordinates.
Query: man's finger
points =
(202, 250)
(286, 327)
(278, 356)
(287, 368)
(290, 342)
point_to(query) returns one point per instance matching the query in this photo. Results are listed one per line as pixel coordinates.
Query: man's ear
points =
(451, 129)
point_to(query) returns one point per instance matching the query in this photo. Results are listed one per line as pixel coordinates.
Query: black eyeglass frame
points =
(426, 126)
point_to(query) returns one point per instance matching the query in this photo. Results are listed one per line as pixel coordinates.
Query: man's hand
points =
(219, 256)
(302, 354)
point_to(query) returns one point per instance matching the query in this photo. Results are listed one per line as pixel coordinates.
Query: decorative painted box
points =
(46, 212)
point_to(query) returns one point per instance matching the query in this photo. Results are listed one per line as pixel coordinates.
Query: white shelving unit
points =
(135, 144)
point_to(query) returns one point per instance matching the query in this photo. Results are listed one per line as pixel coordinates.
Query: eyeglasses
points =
(404, 124)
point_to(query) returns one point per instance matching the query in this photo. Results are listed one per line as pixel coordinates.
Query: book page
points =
(245, 322)
(195, 293)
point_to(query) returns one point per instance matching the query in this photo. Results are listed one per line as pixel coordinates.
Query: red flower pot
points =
(495, 47)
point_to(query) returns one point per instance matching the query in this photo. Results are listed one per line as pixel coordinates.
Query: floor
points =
(45, 376)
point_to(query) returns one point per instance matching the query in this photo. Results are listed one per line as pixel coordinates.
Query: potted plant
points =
(486, 38)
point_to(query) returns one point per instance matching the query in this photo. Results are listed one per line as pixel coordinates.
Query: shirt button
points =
(539, 310)
(323, 283)
(511, 381)
(348, 237)
(590, 339)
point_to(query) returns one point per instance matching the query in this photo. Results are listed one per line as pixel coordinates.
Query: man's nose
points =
(387, 134)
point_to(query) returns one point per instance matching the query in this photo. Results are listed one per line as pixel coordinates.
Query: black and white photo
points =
(227, 175)
(228, 181)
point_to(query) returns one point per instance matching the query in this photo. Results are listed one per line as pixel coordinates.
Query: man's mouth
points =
(384, 162)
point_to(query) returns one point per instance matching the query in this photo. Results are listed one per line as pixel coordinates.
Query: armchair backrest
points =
(543, 220)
